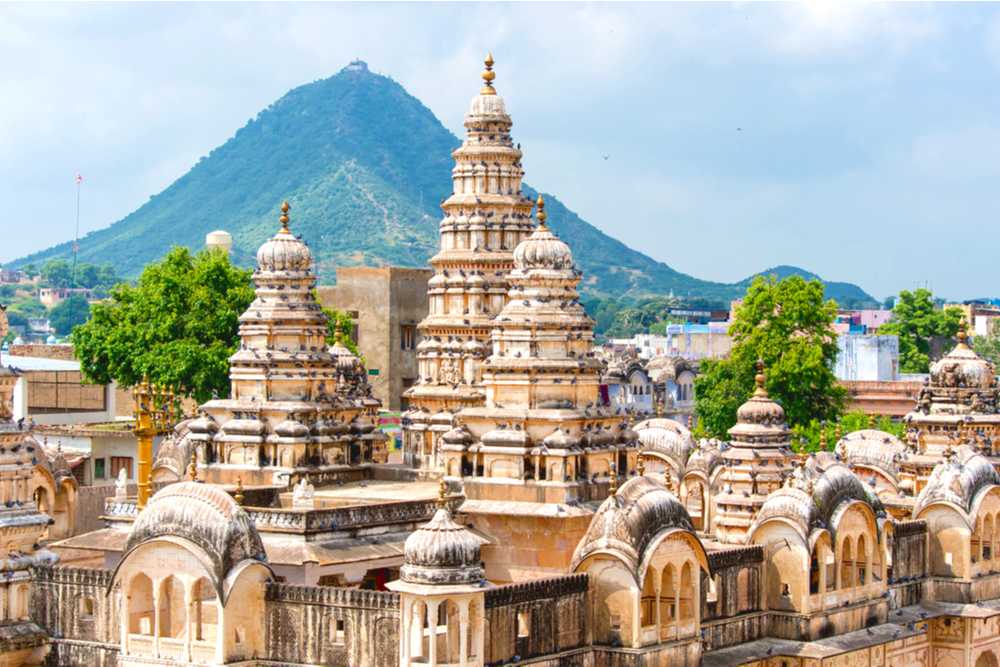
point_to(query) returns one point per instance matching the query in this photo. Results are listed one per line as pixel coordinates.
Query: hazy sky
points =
(861, 142)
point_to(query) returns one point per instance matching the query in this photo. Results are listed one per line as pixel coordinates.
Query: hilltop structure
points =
(485, 218)
(561, 533)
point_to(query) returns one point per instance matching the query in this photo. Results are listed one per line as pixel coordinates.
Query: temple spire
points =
(488, 76)
(541, 214)
(759, 379)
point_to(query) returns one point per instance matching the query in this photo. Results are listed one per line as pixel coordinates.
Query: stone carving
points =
(121, 485)
(303, 497)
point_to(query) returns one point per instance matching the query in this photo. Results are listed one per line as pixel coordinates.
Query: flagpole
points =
(76, 237)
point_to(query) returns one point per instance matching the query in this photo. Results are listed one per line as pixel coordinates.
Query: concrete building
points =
(867, 358)
(691, 341)
(386, 304)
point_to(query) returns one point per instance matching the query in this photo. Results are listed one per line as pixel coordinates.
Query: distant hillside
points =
(364, 165)
(847, 295)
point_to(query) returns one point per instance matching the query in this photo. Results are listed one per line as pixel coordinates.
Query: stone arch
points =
(139, 604)
(170, 607)
(987, 659)
(846, 564)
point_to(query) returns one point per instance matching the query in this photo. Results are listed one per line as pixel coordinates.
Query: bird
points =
(606, 157)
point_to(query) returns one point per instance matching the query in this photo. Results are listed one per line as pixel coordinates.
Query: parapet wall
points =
(536, 618)
(73, 607)
(324, 625)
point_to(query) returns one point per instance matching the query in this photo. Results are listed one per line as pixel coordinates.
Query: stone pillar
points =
(405, 638)
(156, 620)
(432, 624)
(189, 619)
(463, 633)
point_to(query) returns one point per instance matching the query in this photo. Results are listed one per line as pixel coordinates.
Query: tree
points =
(57, 273)
(988, 346)
(788, 326)
(916, 320)
(340, 322)
(30, 270)
(177, 326)
(69, 313)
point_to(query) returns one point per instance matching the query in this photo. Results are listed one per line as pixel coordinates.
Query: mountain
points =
(848, 295)
(363, 164)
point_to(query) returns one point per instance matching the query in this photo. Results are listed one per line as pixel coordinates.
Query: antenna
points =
(76, 237)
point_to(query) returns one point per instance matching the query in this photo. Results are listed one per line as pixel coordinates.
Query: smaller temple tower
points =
(442, 590)
(756, 462)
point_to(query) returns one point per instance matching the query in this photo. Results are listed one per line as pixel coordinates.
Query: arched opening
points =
(814, 570)
(668, 602)
(170, 608)
(861, 561)
(846, 564)
(987, 538)
(204, 611)
(20, 610)
(686, 603)
(647, 604)
(987, 659)
(695, 504)
(140, 605)
(976, 542)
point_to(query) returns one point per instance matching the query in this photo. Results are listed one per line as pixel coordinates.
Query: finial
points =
(192, 470)
(640, 465)
(668, 481)
(488, 76)
(238, 496)
(690, 421)
(822, 437)
(612, 481)
(838, 432)
(541, 215)
(338, 337)
(872, 422)
(284, 217)
(759, 379)
(442, 501)
(963, 333)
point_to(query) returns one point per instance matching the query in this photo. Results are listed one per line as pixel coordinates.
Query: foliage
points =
(69, 313)
(624, 318)
(787, 324)
(30, 270)
(988, 346)
(916, 320)
(340, 322)
(806, 437)
(177, 326)
(22, 309)
(59, 273)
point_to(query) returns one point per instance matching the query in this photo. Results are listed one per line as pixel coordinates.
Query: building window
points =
(523, 624)
(407, 337)
(86, 608)
(337, 632)
(119, 463)
(99, 472)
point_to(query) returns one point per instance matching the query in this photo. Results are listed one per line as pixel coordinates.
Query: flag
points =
(79, 179)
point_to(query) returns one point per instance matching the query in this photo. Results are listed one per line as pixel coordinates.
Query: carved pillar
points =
(156, 620)
(189, 619)
(405, 638)
(463, 633)
(432, 627)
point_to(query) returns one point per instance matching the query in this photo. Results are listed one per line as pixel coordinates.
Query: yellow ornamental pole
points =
(144, 432)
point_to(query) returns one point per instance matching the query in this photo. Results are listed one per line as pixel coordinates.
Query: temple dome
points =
(284, 252)
(962, 367)
(442, 552)
(543, 249)
(204, 515)
(667, 438)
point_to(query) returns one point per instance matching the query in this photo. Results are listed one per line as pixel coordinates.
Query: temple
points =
(531, 523)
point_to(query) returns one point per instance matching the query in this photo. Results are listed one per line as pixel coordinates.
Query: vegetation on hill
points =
(365, 166)
(788, 325)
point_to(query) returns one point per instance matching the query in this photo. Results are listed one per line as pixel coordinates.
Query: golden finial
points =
(541, 214)
(488, 76)
(284, 217)
(238, 496)
(612, 481)
(442, 501)
(963, 333)
(759, 379)
(872, 421)
(640, 465)
(192, 470)
(822, 437)
(668, 481)
(838, 432)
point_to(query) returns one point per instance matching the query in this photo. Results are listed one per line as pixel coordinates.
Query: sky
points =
(858, 141)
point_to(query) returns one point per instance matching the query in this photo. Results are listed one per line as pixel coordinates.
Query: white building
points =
(867, 358)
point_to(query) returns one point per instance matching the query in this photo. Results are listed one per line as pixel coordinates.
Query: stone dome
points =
(761, 418)
(666, 437)
(870, 448)
(629, 521)
(962, 367)
(543, 249)
(958, 480)
(204, 515)
(487, 105)
(442, 552)
(284, 252)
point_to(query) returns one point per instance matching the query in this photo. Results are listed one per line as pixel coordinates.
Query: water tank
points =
(219, 239)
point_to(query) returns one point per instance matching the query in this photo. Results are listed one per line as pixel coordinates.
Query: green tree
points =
(340, 322)
(988, 346)
(916, 320)
(786, 324)
(69, 313)
(178, 325)
(806, 437)
(30, 270)
(57, 273)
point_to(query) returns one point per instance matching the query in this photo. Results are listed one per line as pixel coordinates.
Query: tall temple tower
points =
(296, 406)
(485, 218)
(542, 446)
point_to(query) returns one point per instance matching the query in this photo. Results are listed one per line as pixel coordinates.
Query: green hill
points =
(364, 165)
(848, 295)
